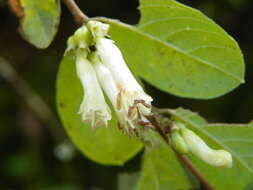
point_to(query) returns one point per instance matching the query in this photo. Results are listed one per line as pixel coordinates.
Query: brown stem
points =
(183, 158)
(32, 100)
(79, 16)
(187, 162)
(154, 121)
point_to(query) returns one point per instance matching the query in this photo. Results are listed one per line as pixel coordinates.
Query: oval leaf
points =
(208, 62)
(103, 145)
(181, 51)
(39, 20)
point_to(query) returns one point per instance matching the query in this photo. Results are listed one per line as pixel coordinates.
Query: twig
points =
(187, 162)
(33, 101)
(79, 16)
(183, 158)
(153, 120)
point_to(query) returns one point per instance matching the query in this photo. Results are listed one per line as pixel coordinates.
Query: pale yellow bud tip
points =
(222, 158)
(98, 29)
(217, 158)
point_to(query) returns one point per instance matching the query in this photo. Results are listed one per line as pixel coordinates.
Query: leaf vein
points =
(237, 140)
(156, 21)
(189, 29)
(206, 47)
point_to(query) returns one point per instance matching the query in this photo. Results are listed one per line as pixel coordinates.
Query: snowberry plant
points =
(109, 115)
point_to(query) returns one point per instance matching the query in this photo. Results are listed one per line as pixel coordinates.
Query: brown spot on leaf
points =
(118, 101)
(62, 105)
(16, 8)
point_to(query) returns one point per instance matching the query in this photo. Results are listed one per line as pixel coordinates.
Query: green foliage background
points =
(27, 145)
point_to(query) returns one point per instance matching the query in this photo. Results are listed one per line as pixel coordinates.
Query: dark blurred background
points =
(36, 155)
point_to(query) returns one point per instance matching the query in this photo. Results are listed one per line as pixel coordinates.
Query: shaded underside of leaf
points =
(127, 181)
(103, 145)
(161, 170)
(40, 21)
(237, 139)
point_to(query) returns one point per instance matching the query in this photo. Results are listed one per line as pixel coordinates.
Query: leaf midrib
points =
(168, 45)
(158, 20)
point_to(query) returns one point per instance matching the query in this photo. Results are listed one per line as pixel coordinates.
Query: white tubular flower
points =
(105, 78)
(109, 86)
(218, 158)
(131, 102)
(93, 108)
(131, 98)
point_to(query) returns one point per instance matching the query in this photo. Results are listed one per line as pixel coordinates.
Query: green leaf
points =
(179, 50)
(210, 62)
(62, 187)
(104, 145)
(39, 21)
(161, 170)
(237, 139)
(127, 181)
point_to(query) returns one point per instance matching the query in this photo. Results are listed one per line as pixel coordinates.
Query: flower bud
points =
(218, 158)
(80, 39)
(178, 143)
(70, 44)
(98, 29)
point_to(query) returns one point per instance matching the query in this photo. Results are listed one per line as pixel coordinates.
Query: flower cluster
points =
(101, 69)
